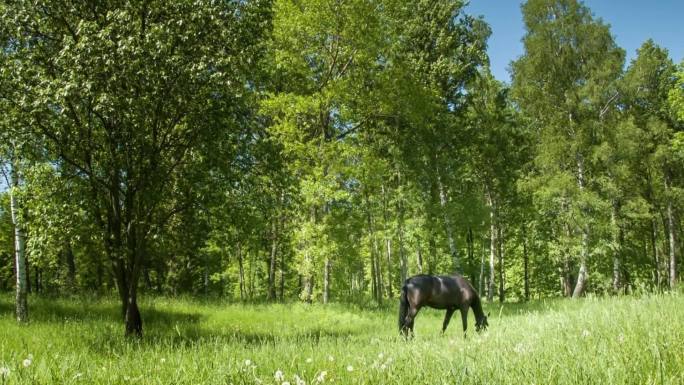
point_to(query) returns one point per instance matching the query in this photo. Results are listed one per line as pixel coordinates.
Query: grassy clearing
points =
(593, 341)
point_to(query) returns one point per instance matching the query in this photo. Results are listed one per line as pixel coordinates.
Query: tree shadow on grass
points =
(177, 334)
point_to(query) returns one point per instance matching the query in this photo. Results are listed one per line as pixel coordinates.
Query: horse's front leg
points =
(464, 318)
(447, 318)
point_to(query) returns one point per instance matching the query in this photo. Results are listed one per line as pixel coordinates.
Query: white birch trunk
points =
(19, 249)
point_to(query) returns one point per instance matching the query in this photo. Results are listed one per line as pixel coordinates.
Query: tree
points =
(127, 95)
(565, 82)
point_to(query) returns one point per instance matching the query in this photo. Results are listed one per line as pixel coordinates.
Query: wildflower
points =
(27, 362)
(248, 362)
(77, 375)
(621, 338)
(519, 348)
(321, 376)
(279, 375)
(350, 368)
(163, 360)
(331, 358)
(4, 372)
(383, 367)
(585, 333)
(309, 360)
(299, 381)
(380, 356)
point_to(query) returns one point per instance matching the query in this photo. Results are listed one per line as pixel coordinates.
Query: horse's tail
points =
(403, 308)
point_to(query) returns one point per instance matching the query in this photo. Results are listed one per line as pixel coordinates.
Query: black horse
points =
(448, 292)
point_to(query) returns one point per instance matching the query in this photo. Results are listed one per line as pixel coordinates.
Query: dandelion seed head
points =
(321, 376)
(279, 375)
(309, 360)
(331, 358)
(27, 362)
(350, 368)
(585, 333)
(4, 371)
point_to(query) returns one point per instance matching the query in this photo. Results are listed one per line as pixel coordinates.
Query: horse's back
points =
(441, 292)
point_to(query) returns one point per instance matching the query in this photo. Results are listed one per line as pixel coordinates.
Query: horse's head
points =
(481, 323)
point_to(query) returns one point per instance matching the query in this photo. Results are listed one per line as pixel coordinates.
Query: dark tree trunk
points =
(71, 265)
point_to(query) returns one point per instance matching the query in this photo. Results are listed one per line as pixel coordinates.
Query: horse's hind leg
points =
(410, 317)
(447, 318)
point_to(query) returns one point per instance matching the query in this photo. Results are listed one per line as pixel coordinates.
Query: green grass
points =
(593, 341)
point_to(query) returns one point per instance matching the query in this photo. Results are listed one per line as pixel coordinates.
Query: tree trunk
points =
(282, 277)
(71, 265)
(402, 251)
(656, 257)
(241, 272)
(470, 246)
(419, 256)
(326, 280)
(453, 250)
(19, 249)
(493, 231)
(617, 248)
(502, 283)
(671, 238)
(526, 267)
(388, 243)
(273, 261)
(582, 276)
(673, 246)
(482, 268)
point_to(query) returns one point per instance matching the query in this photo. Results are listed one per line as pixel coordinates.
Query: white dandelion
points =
(519, 348)
(350, 368)
(77, 375)
(4, 371)
(279, 375)
(309, 360)
(381, 355)
(585, 333)
(299, 381)
(248, 362)
(331, 358)
(321, 376)
(27, 362)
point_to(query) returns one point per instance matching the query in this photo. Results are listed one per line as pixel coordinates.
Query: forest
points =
(322, 151)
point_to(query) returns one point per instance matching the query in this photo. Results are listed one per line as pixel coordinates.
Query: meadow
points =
(620, 340)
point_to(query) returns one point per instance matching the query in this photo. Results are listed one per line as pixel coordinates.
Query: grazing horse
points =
(448, 292)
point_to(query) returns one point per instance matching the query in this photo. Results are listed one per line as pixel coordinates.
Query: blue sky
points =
(631, 22)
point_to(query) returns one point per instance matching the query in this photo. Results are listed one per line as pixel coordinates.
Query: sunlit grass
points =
(593, 341)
